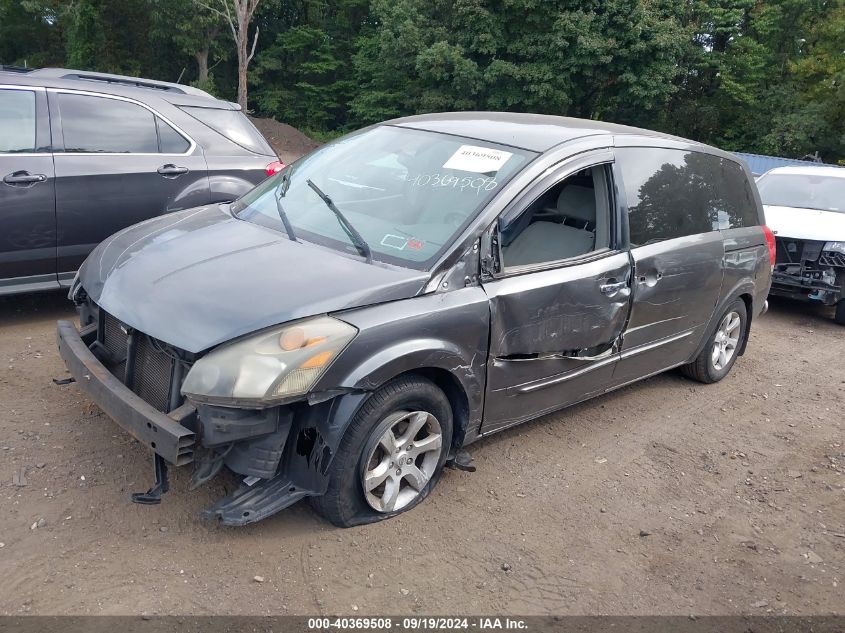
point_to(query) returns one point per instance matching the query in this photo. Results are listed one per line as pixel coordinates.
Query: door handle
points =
(171, 170)
(23, 178)
(612, 288)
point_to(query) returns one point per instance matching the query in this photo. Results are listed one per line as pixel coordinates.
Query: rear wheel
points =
(391, 455)
(718, 356)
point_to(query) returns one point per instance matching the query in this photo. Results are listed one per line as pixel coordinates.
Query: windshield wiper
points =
(284, 185)
(351, 231)
(281, 190)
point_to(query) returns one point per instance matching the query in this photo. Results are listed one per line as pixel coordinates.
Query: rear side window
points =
(234, 126)
(675, 193)
(17, 121)
(98, 124)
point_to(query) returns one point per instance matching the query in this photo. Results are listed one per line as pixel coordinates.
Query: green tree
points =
(812, 94)
(193, 30)
(108, 36)
(237, 15)
(595, 59)
(305, 75)
(30, 32)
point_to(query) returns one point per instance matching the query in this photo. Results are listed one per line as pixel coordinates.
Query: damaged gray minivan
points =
(344, 329)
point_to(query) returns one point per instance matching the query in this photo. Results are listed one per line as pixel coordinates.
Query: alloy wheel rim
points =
(403, 460)
(726, 340)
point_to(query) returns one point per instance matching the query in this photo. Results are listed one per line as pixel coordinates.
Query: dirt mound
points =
(288, 142)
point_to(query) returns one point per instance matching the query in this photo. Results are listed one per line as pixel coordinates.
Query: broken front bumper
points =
(802, 287)
(164, 433)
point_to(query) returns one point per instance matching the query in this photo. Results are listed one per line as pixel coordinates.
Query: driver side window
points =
(570, 219)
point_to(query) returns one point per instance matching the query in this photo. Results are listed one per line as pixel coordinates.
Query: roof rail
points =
(123, 80)
(6, 68)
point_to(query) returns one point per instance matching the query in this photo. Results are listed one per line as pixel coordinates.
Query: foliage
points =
(590, 59)
(754, 75)
(195, 32)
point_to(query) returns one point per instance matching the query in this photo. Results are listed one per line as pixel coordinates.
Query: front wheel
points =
(718, 356)
(839, 314)
(391, 456)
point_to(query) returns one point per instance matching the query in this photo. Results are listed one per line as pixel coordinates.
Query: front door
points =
(121, 163)
(27, 192)
(558, 295)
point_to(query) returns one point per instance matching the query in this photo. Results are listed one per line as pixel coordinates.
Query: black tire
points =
(344, 503)
(839, 314)
(703, 368)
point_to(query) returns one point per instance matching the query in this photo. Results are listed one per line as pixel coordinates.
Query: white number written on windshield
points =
(465, 183)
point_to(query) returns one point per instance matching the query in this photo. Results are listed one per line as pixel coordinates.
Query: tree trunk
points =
(238, 14)
(243, 59)
(202, 65)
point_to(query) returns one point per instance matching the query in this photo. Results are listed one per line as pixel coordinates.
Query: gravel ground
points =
(666, 497)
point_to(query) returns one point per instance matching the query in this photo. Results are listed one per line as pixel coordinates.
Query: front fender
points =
(440, 335)
(416, 353)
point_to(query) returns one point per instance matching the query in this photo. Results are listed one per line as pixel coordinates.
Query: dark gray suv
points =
(342, 330)
(83, 155)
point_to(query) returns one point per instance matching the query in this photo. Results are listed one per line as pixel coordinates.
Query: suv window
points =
(169, 140)
(17, 121)
(674, 193)
(570, 219)
(233, 125)
(100, 124)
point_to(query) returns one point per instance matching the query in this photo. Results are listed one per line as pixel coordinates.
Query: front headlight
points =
(838, 247)
(271, 366)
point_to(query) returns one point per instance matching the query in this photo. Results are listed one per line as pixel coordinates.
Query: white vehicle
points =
(805, 208)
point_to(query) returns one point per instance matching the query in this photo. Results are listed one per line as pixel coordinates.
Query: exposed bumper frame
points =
(163, 433)
(786, 285)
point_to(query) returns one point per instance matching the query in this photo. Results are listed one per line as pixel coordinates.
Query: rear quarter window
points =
(739, 206)
(233, 125)
(169, 140)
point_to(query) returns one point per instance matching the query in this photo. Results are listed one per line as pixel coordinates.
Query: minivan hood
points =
(200, 277)
(806, 224)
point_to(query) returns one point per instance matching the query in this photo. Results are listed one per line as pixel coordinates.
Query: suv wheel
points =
(720, 353)
(391, 455)
(839, 315)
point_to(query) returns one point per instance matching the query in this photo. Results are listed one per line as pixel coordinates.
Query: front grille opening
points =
(791, 251)
(153, 369)
(152, 374)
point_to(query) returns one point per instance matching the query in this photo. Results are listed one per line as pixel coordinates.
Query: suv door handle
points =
(23, 178)
(612, 288)
(170, 170)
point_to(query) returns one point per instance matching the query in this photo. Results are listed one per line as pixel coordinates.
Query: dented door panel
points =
(558, 310)
(676, 286)
(552, 337)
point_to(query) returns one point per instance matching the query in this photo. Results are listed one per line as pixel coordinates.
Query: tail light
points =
(770, 242)
(274, 168)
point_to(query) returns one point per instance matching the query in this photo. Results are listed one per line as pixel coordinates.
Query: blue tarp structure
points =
(760, 164)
